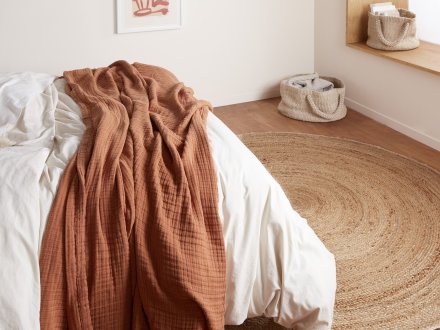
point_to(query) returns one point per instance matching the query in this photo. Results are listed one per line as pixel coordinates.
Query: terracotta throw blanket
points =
(134, 239)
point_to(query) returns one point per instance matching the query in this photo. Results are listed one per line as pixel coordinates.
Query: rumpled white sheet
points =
(69, 129)
(27, 130)
(276, 266)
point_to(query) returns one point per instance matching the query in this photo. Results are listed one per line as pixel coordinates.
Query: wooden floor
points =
(262, 116)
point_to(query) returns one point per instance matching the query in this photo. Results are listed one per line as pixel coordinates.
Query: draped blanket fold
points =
(133, 238)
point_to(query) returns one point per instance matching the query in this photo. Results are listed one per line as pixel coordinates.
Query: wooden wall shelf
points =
(426, 57)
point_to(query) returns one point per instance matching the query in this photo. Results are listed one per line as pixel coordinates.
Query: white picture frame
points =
(148, 15)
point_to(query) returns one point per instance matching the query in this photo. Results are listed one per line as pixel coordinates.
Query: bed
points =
(275, 264)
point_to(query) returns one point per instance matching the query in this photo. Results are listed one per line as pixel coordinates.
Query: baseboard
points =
(246, 97)
(394, 124)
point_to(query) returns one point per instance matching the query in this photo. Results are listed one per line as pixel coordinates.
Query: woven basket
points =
(309, 105)
(392, 33)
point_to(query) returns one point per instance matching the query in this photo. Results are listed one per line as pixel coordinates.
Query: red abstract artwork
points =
(150, 7)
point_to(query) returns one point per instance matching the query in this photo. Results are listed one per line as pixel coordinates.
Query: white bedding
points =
(276, 265)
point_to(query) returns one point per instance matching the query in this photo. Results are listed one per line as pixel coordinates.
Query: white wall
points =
(402, 97)
(228, 51)
(428, 22)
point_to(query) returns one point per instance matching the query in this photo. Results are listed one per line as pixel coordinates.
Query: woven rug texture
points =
(377, 212)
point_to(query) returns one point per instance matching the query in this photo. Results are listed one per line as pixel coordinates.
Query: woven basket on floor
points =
(392, 33)
(309, 105)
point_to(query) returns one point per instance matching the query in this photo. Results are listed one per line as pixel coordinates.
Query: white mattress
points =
(276, 265)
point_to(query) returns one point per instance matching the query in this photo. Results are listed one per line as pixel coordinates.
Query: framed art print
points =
(148, 15)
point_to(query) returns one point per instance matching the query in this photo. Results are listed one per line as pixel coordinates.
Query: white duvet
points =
(276, 265)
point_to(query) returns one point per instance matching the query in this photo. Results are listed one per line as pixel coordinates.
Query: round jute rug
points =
(377, 212)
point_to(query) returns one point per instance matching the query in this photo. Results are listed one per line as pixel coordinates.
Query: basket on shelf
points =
(391, 32)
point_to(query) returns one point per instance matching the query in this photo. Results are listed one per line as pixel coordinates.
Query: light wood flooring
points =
(262, 116)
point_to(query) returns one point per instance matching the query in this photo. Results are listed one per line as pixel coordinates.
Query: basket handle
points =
(388, 43)
(325, 115)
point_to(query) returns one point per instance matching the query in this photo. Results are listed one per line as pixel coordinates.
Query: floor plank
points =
(262, 116)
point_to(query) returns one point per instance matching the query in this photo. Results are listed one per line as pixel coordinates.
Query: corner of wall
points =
(398, 96)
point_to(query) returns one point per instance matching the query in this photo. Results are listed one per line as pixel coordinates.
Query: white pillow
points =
(16, 91)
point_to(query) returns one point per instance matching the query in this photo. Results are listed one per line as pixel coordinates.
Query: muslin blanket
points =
(133, 238)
